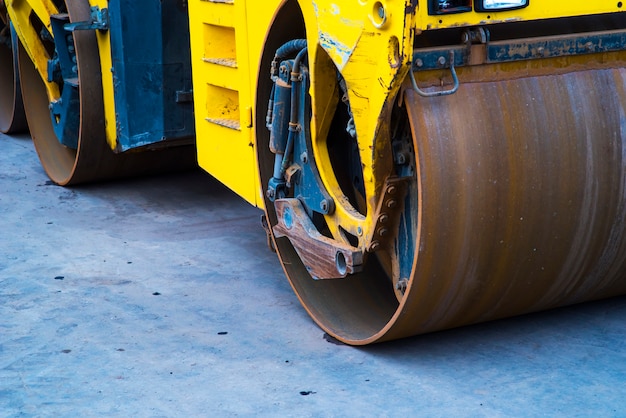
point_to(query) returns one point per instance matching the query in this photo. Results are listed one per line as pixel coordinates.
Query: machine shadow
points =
(597, 328)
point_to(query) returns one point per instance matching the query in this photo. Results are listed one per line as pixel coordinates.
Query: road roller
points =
(421, 165)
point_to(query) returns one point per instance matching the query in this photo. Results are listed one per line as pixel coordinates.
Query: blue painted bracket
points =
(62, 70)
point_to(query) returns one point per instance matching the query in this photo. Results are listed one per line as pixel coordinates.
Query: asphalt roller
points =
(64, 95)
(422, 165)
(12, 118)
(493, 186)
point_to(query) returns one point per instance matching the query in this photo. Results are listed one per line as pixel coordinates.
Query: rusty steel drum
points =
(12, 118)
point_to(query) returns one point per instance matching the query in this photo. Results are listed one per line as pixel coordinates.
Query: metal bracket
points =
(455, 79)
(323, 257)
(388, 212)
(63, 71)
(295, 168)
(477, 48)
(99, 21)
(268, 233)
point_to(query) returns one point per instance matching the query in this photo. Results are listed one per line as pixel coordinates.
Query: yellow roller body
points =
(512, 195)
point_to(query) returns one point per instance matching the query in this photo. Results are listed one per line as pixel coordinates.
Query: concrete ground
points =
(158, 297)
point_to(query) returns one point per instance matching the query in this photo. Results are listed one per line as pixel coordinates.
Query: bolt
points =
(392, 204)
(392, 190)
(383, 231)
(402, 285)
(304, 157)
(288, 218)
(375, 245)
(324, 205)
(541, 51)
(271, 193)
(419, 63)
(589, 46)
(381, 11)
(283, 69)
(442, 61)
(383, 218)
(401, 158)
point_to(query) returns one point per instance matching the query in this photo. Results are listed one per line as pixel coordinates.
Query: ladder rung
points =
(227, 123)
(225, 62)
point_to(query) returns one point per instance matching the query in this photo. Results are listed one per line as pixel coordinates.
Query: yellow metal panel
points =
(223, 96)
(20, 12)
(221, 13)
(223, 74)
(537, 9)
(108, 92)
(351, 36)
(371, 44)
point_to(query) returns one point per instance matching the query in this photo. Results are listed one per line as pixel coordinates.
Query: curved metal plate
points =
(12, 117)
(523, 186)
(522, 197)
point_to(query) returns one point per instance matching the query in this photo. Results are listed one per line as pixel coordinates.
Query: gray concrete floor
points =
(158, 297)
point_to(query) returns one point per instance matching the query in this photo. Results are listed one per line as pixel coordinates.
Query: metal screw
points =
(324, 205)
(392, 190)
(288, 218)
(402, 285)
(383, 218)
(392, 204)
(381, 11)
(442, 61)
(375, 245)
(383, 231)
